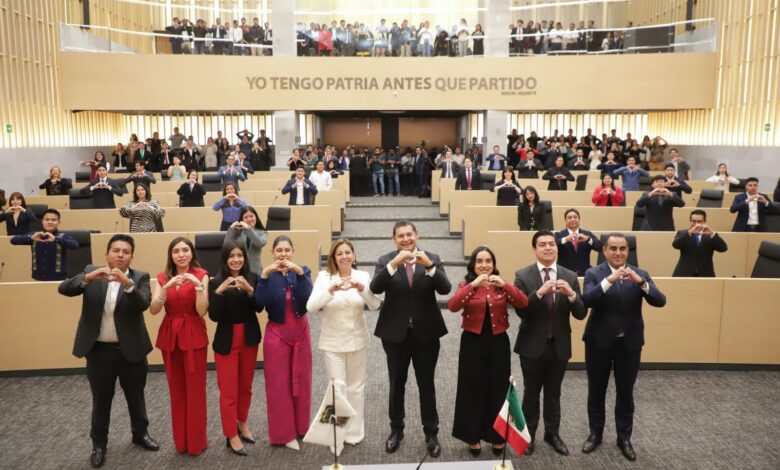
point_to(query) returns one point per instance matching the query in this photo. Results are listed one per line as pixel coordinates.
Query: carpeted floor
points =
(684, 420)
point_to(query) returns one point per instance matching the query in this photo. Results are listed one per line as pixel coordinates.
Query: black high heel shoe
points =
(250, 439)
(475, 452)
(242, 451)
(498, 450)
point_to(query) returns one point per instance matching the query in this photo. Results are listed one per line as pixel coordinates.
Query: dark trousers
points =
(105, 363)
(599, 363)
(484, 365)
(543, 373)
(423, 355)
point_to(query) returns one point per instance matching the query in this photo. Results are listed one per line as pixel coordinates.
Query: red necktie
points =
(575, 241)
(468, 177)
(410, 273)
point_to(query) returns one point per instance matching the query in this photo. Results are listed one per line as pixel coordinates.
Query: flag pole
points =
(503, 465)
(335, 465)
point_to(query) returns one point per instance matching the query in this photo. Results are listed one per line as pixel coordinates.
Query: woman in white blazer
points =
(340, 293)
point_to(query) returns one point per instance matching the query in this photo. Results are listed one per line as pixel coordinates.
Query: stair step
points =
(386, 217)
(380, 237)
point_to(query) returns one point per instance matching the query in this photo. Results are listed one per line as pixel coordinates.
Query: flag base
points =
(337, 466)
(502, 466)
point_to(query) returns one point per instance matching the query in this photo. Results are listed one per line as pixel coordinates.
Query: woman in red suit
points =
(232, 305)
(485, 358)
(607, 194)
(183, 340)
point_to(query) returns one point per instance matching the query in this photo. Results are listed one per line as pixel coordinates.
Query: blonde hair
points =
(332, 267)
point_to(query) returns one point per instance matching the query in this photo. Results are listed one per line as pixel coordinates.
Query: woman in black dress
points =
(56, 185)
(507, 189)
(191, 192)
(530, 212)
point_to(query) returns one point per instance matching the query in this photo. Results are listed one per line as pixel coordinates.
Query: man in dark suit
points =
(659, 203)
(496, 160)
(144, 155)
(469, 178)
(544, 337)
(112, 336)
(674, 183)
(751, 208)
(449, 167)
(141, 176)
(614, 336)
(103, 190)
(696, 246)
(300, 188)
(410, 325)
(575, 244)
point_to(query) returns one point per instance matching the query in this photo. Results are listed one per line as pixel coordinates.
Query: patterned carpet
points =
(684, 420)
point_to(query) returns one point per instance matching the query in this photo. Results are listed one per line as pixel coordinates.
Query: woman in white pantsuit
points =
(341, 293)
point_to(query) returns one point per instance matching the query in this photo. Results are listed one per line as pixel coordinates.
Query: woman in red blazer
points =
(607, 194)
(484, 360)
(183, 340)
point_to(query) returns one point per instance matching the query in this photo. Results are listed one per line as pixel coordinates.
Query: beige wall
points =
(89, 82)
(434, 131)
(352, 131)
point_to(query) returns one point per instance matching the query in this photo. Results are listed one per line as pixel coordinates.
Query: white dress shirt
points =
(553, 276)
(322, 181)
(107, 325)
(299, 193)
(344, 327)
(752, 212)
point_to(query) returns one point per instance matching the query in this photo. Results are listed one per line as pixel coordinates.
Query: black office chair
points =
(548, 215)
(82, 176)
(639, 217)
(164, 176)
(710, 198)
(76, 200)
(582, 181)
(739, 187)
(208, 247)
(38, 210)
(212, 182)
(632, 257)
(768, 261)
(158, 224)
(79, 258)
(645, 182)
(278, 218)
(773, 220)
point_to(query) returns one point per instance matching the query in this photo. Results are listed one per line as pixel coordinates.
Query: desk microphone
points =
(2, 267)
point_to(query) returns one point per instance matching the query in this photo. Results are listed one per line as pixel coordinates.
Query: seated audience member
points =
(56, 185)
(674, 183)
(579, 163)
(176, 171)
(245, 165)
(575, 244)
(449, 167)
(141, 176)
(607, 194)
(496, 160)
(595, 158)
(681, 168)
(49, 248)
(659, 203)
(103, 190)
(190, 155)
(530, 212)
(333, 168)
(696, 246)
(722, 179)
(751, 208)
(17, 218)
(165, 159)
(295, 161)
(121, 161)
(529, 168)
(321, 178)
(507, 188)
(143, 155)
(776, 195)
(230, 205)
(143, 211)
(99, 159)
(610, 165)
(231, 173)
(630, 174)
(558, 176)
(300, 189)
(191, 192)
(468, 177)
(248, 232)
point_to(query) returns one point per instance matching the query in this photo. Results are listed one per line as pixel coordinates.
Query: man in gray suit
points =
(544, 337)
(112, 336)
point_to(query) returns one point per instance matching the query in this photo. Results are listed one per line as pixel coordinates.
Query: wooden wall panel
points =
(601, 123)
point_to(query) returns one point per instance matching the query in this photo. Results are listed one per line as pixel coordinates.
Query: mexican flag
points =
(516, 433)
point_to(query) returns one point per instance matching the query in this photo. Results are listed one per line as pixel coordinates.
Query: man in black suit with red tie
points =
(575, 244)
(410, 325)
(614, 336)
(544, 338)
(112, 336)
(449, 167)
(696, 245)
(469, 178)
(103, 190)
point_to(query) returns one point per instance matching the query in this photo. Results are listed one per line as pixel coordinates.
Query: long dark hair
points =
(535, 193)
(258, 223)
(17, 195)
(170, 266)
(148, 192)
(227, 202)
(224, 271)
(508, 169)
(470, 274)
(612, 183)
